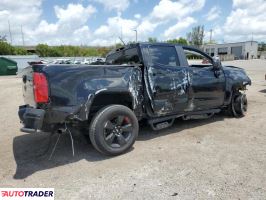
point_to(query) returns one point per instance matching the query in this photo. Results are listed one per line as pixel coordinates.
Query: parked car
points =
(63, 61)
(144, 81)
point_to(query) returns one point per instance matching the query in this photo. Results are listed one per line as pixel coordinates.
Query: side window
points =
(114, 58)
(131, 56)
(164, 55)
(196, 59)
(128, 56)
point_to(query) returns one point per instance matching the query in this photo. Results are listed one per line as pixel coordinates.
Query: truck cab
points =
(173, 83)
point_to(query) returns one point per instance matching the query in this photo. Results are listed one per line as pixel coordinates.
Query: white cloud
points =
(19, 13)
(167, 9)
(137, 16)
(162, 13)
(145, 28)
(246, 19)
(173, 31)
(72, 22)
(114, 28)
(242, 3)
(70, 28)
(75, 14)
(213, 13)
(217, 33)
(117, 5)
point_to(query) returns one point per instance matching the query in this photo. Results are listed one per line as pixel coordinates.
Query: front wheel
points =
(114, 130)
(239, 105)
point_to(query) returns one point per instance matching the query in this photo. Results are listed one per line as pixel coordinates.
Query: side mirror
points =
(216, 64)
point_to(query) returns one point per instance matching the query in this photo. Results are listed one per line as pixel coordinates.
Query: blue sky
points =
(101, 22)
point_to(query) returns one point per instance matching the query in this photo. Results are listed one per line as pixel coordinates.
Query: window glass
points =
(222, 50)
(131, 56)
(164, 55)
(128, 56)
(113, 58)
(196, 59)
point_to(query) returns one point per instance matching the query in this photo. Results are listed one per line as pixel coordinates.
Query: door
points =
(168, 81)
(237, 51)
(207, 85)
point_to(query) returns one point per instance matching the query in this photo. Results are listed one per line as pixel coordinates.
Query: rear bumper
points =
(31, 118)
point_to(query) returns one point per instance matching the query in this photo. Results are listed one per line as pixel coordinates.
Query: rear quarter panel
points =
(71, 85)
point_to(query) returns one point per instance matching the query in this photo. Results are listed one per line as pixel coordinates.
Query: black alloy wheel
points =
(239, 105)
(114, 130)
(118, 131)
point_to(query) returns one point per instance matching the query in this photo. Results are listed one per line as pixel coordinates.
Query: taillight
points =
(40, 87)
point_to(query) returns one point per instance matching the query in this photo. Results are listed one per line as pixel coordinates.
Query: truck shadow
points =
(32, 151)
(263, 91)
(147, 133)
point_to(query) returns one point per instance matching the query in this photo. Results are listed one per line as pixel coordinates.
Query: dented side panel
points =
(208, 90)
(167, 87)
(76, 87)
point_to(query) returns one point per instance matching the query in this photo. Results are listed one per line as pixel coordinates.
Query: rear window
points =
(128, 56)
(164, 55)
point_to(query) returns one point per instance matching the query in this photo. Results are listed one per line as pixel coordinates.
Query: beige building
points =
(238, 50)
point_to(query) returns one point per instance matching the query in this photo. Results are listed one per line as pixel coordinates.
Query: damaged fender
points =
(86, 84)
(236, 79)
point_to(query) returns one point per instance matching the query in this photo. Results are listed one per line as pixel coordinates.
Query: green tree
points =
(152, 39)
(42, 50)
(180, 40)
(195, 37)
(6, 49)
(19, 51)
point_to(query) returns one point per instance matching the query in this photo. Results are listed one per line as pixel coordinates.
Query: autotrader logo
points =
(27, 193)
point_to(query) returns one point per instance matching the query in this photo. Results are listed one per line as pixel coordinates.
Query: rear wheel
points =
(239, 105)
(114, 130)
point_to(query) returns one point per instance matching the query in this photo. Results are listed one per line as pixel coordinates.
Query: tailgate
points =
(27, 86)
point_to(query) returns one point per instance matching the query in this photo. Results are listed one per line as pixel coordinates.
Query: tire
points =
(239, 105)
(113, 130)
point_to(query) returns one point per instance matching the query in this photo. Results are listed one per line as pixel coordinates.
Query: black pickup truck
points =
(152, 82)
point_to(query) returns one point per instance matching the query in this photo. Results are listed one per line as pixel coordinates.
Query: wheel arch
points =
(105, 98)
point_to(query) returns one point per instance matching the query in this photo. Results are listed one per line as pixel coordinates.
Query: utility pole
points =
(251, 38)
(136, 35)
(10, 35)
(22, 36)
(210, 35)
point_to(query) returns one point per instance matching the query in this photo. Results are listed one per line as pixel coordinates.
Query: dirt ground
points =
(217, 158)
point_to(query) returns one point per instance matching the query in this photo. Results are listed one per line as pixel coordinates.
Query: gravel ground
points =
(217, 158)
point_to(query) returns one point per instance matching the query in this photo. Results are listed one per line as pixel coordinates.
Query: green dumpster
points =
(8, 66)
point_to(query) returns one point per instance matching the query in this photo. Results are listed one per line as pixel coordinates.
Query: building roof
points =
(229, 43)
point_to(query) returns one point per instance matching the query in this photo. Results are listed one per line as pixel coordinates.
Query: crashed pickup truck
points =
(151, 82)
